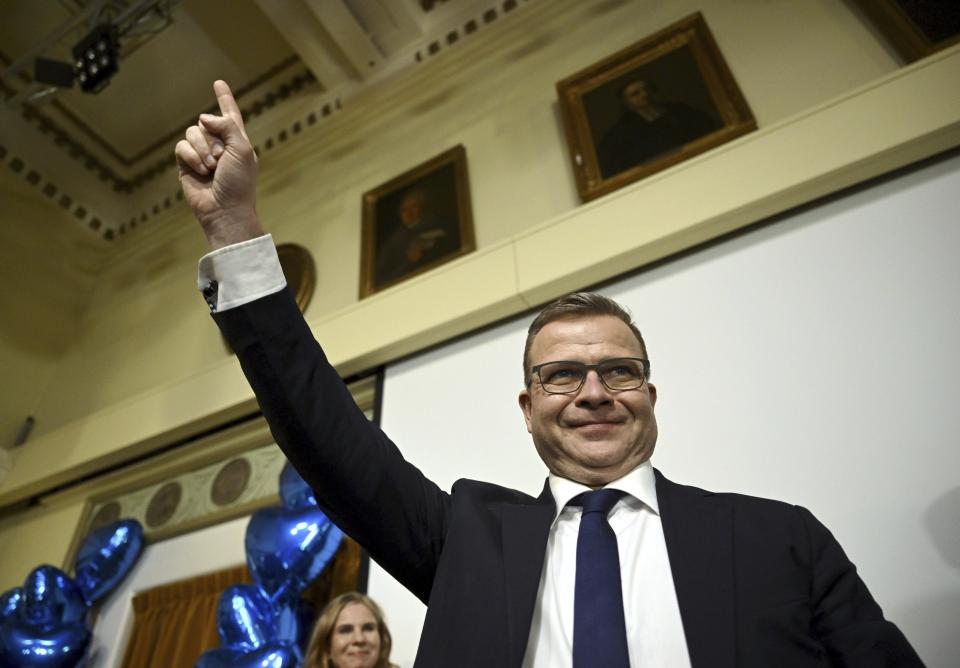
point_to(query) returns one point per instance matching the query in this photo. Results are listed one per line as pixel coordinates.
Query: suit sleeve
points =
(846, 618)
(359, 476)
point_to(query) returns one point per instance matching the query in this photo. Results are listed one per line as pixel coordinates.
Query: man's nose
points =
(593, 391)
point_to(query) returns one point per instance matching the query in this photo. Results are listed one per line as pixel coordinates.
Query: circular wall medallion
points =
(230, 482)
(300, 272)
(106, 514)
(164, 504)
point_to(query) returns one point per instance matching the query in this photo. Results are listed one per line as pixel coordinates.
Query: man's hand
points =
(218, 173)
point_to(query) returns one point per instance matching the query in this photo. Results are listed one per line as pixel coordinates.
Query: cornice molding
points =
(138, 207)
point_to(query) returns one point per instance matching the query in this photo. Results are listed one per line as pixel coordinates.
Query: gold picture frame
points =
(300, 271)
(915, 29)
(649, 106)
(416, 221)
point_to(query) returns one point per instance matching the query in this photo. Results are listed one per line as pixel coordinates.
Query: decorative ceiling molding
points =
(274, 89)
(468, 28)
(53, 192)
(279, 88)
(72, 143)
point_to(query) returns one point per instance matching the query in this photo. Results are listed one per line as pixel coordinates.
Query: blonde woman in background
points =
(350, 633)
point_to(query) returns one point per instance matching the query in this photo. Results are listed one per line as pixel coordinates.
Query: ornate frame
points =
(907, 36)
(683, 58)
(444, 185)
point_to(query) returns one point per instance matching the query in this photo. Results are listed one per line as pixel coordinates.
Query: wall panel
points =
(811, 360)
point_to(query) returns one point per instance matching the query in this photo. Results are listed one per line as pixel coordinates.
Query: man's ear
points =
(525, 405)
(652, 391)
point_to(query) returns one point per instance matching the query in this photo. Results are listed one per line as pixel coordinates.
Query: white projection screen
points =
(814, 359)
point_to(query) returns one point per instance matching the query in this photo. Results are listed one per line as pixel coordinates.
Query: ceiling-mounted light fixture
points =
(95, 58)
(53, 73)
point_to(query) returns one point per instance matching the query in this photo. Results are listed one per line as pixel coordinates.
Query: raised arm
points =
(218, 173)
(359, 476)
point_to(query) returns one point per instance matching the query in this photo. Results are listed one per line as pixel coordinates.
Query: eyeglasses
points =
(618, 374)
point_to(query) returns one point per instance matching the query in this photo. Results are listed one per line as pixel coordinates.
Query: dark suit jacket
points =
(759, 583)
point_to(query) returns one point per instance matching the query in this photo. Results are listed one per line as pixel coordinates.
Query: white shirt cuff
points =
(235, 275)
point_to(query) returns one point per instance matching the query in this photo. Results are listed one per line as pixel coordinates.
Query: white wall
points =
(206, 551)
(813, 360)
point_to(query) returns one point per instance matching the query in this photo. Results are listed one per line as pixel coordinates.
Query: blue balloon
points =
(51, 599)
(106, 556)
(269, 656)
(245, 618)
(288, 548)
(10, 602)
(287, 622)
(294, 490)
(23, 646)
(306, 617)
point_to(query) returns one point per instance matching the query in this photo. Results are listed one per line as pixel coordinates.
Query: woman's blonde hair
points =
(318, 651)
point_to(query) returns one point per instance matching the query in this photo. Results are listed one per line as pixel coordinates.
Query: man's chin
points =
(602, 467)
(599, 450)
(602, 461)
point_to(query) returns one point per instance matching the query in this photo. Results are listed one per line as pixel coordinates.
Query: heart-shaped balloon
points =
(50, 599)
(269, 656)
(245, 618)
(23, 646)
(288, 548)
(294, 490)
(10, 602)
(290, 618)
(106, 556)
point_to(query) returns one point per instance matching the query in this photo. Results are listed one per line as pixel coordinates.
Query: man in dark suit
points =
(704, 579)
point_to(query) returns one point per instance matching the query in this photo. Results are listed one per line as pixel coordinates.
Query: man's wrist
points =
(232, 227)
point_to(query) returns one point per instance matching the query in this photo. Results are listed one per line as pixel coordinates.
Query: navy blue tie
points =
(599, 630)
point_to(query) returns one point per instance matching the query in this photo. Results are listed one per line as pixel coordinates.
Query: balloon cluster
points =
(287, 548)
(44, 623)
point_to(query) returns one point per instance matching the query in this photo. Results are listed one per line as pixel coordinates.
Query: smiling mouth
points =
(594, 425)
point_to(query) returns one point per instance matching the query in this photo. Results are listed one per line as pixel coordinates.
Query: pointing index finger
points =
(228, 105)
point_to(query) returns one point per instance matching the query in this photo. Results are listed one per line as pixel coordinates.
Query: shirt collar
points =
(640, 483)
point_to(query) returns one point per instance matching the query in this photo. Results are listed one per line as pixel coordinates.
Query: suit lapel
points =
(698, 529)
(525, 528)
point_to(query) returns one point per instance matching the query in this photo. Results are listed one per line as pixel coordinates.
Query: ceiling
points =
(98, 155)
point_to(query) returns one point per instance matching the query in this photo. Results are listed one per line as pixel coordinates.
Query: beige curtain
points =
(175, 623)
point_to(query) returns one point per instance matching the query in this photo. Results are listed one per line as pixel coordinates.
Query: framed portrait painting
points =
(415, 222)
(651, 105)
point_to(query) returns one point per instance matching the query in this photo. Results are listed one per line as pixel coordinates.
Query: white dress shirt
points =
(237, 274)
(654, 629)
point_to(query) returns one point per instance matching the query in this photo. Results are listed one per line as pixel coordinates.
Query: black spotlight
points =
(95, 58)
